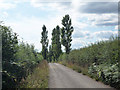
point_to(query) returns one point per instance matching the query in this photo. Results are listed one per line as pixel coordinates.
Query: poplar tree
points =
(50, 53)
(56, 44)
(66, 33)
(44, 41)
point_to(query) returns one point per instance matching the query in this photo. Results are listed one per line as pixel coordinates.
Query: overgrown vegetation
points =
(39, 77)
(99, 60)
(18, 58)
(21, 61)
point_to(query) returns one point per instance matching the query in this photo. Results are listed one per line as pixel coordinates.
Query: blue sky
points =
(92, 21)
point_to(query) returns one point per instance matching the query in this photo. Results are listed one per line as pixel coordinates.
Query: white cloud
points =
(78, 33)
(117, 27)
(30, 28)
(6, 5)
(4, 15)
(74, 8)
(92, 38)
(50, 5)
(78, 43)
(81, 42)
(105, 34)
(103, 19)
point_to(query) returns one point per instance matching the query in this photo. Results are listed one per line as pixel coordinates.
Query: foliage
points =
(108, 73)
(9, 42)
(50, 54)
(66, 33)
(56, 44)
(60, 36)
(100, 58)
(44, 42)
(18, 60)
(39, 77)
(27, 57)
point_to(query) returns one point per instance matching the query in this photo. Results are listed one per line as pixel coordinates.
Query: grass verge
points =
(83, 70)
(39, 77)
(79, 69)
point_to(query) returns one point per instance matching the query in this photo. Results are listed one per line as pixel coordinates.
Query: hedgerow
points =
(18, 58)
(101, 60)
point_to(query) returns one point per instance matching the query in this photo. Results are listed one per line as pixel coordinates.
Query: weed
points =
(39, 77)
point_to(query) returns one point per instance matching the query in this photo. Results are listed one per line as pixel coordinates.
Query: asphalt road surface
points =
(64, 77)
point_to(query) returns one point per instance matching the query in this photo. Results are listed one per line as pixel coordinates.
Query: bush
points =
(100, 60)
(39, 77)
(18, 58)
(107, 73)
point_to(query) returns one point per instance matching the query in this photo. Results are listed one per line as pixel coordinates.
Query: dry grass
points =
(80, 69)
(39, 77)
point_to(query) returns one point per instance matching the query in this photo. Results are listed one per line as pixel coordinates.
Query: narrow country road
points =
(64, 77)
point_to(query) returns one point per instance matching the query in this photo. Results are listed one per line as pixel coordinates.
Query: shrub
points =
(107, 73)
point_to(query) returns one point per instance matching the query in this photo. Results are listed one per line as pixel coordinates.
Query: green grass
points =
(39, 77)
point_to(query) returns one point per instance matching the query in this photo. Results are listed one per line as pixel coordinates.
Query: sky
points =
(92, 20)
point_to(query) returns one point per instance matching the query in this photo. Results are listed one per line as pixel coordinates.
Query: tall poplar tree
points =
(56, 44)
(66, 33)
(44, 41)
(50, 53)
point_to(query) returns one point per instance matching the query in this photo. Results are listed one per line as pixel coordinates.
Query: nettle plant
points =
(108, 73)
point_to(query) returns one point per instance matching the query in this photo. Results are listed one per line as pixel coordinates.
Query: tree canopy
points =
(66, 33)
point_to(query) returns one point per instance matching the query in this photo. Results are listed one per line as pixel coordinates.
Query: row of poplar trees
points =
(60, 36)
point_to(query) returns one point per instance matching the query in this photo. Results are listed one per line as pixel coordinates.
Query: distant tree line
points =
(60, 36)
